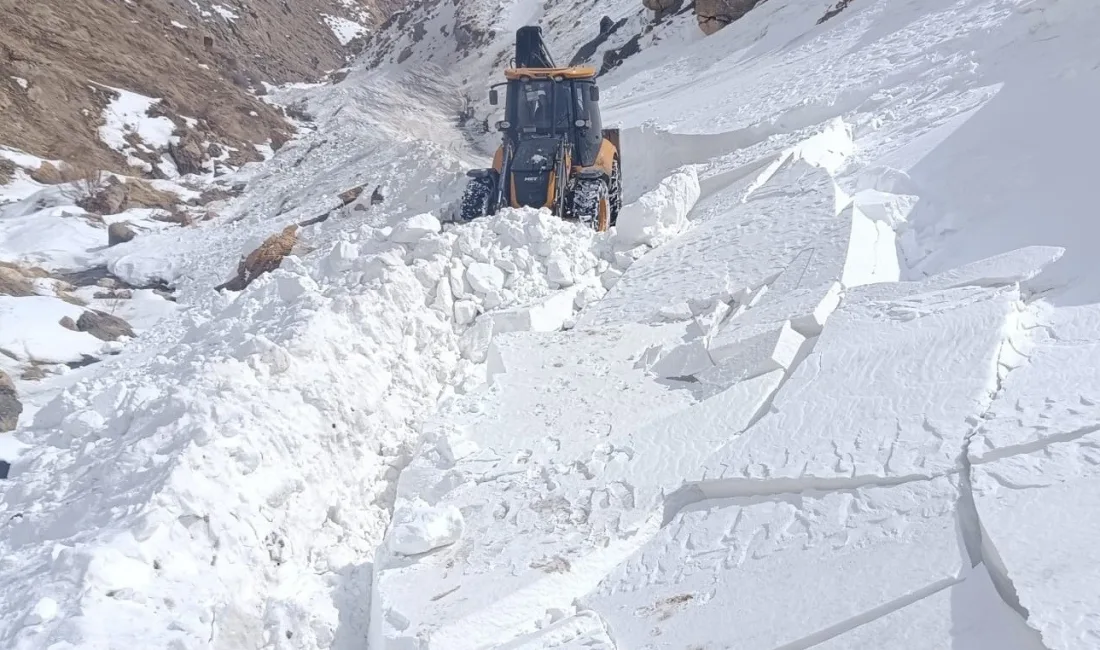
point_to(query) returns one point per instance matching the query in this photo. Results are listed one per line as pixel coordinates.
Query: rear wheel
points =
(477, 200)
(592, 203)
(616, 191)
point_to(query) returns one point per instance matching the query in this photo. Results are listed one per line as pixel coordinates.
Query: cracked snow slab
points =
(523, 463)
(1040, 532)
(887, 393)
(969, 615)
(758, 568)
(1055, 396)
(793, 211)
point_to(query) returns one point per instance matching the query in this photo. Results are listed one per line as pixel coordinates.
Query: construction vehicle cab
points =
(554, 152)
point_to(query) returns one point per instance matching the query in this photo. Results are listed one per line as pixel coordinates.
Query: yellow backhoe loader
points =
(554, 152)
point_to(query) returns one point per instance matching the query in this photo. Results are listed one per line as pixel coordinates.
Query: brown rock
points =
(107, 198)
(661, 6)
(188, 154)
(10, 406)
(119, 233)
(47, 174)
(14, 282)
(68, 323)
(264, 259)
(713, 15)
(103, 326)
(140, 194)
(33, 373)
(349, 196)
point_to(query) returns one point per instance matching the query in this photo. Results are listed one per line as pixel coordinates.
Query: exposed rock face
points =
(10, 406)
(188, 154)
(713, 15)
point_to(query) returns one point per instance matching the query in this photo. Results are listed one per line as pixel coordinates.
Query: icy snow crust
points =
(829, 385)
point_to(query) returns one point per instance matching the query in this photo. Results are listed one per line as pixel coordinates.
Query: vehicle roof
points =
(574, 72)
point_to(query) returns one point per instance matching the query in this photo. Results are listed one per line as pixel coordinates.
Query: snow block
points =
(548, 315)
(872, 254)
(743, 247)
(969, 615)
(888, 391)
(412, 229)
(1037, 513)
(803, 311)
(774, 346)
(659, 213)
(758, 566)
(1018, 265)
(1044, 400)
(484, 278)
(669, 449)
(684, 360)
(419, 528)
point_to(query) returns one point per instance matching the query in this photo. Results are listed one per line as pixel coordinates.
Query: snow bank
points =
(303, 393)
(659, 214)
(31, 330)
(748, 244)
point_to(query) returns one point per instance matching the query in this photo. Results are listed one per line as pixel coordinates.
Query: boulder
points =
(661, 6)
(188, 154)
(713, 15)
(349, 196)
(103, 326)
(110, 198)
(119, 233)
(10, 406)
(264, 259)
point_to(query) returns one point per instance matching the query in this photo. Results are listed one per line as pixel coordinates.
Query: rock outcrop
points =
(713, 15)
(10, 406)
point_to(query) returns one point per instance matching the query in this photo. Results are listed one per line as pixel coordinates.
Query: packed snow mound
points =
(303, 394)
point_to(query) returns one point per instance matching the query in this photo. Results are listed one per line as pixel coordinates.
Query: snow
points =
(128, 113)
(226, 13)
(830, 383)
(343, 29)
(30, 330)
(21, 81)
(178, 25)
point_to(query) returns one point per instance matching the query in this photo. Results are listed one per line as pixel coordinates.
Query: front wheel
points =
(592, 203)
(477, 200)
(616, 190)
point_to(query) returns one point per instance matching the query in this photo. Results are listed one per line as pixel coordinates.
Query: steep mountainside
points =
(61, 61)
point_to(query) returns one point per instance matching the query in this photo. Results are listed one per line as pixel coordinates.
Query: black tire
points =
(477, 199)
(616, 191)
(591, 203)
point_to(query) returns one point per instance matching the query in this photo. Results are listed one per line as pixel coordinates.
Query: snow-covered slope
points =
(830, 384)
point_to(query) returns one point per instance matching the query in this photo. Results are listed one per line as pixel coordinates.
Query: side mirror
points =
(493, 99)
(594, 93)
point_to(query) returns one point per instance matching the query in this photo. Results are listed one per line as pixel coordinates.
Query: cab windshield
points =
(543, 105)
